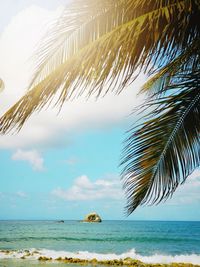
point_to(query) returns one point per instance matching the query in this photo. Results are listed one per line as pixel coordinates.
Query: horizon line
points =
(79, 220)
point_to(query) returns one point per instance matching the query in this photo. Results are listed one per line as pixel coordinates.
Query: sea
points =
(148, 241)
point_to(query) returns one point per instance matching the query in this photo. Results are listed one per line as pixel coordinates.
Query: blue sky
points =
(64, 166)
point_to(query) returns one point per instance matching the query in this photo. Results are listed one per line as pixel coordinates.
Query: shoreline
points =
(36, 258)
(125, 262)
(93, 263)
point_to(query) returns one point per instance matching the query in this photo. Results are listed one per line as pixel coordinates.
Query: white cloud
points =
(85, 189)
(17, 44)
(31, 156)
(21, 194)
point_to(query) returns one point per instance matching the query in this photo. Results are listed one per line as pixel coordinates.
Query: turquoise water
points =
(150, 241)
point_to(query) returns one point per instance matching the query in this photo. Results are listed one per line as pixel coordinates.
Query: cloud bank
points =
(84, 189)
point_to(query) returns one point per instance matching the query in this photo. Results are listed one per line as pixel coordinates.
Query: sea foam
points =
(85, 255)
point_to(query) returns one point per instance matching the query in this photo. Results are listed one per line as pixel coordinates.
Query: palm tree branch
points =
(91, 20)
(71, 31)
(73, 24)
(185, 62)
(164, 150)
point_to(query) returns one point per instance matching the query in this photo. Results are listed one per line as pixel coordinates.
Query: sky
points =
(63, 166)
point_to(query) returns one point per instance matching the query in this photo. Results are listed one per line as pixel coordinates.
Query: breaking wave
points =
(86, 255)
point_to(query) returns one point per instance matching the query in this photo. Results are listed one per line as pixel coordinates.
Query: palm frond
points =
(80, 24)
(87, 61)
(185, 62)
(75, 28)
(84, 21)
(165, 148)
(78, 27)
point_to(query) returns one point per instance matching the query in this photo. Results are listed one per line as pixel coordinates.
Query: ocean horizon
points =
(147, 241)
(57, 220)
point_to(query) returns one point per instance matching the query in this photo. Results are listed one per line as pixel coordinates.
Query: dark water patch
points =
(106, 239)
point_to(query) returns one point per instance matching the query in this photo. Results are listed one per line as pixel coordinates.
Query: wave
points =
(86, 255)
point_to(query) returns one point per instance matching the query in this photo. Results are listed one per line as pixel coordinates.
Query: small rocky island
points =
(92, 217)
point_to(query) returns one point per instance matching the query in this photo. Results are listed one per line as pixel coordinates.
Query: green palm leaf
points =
(165, 148)
(186, 62)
